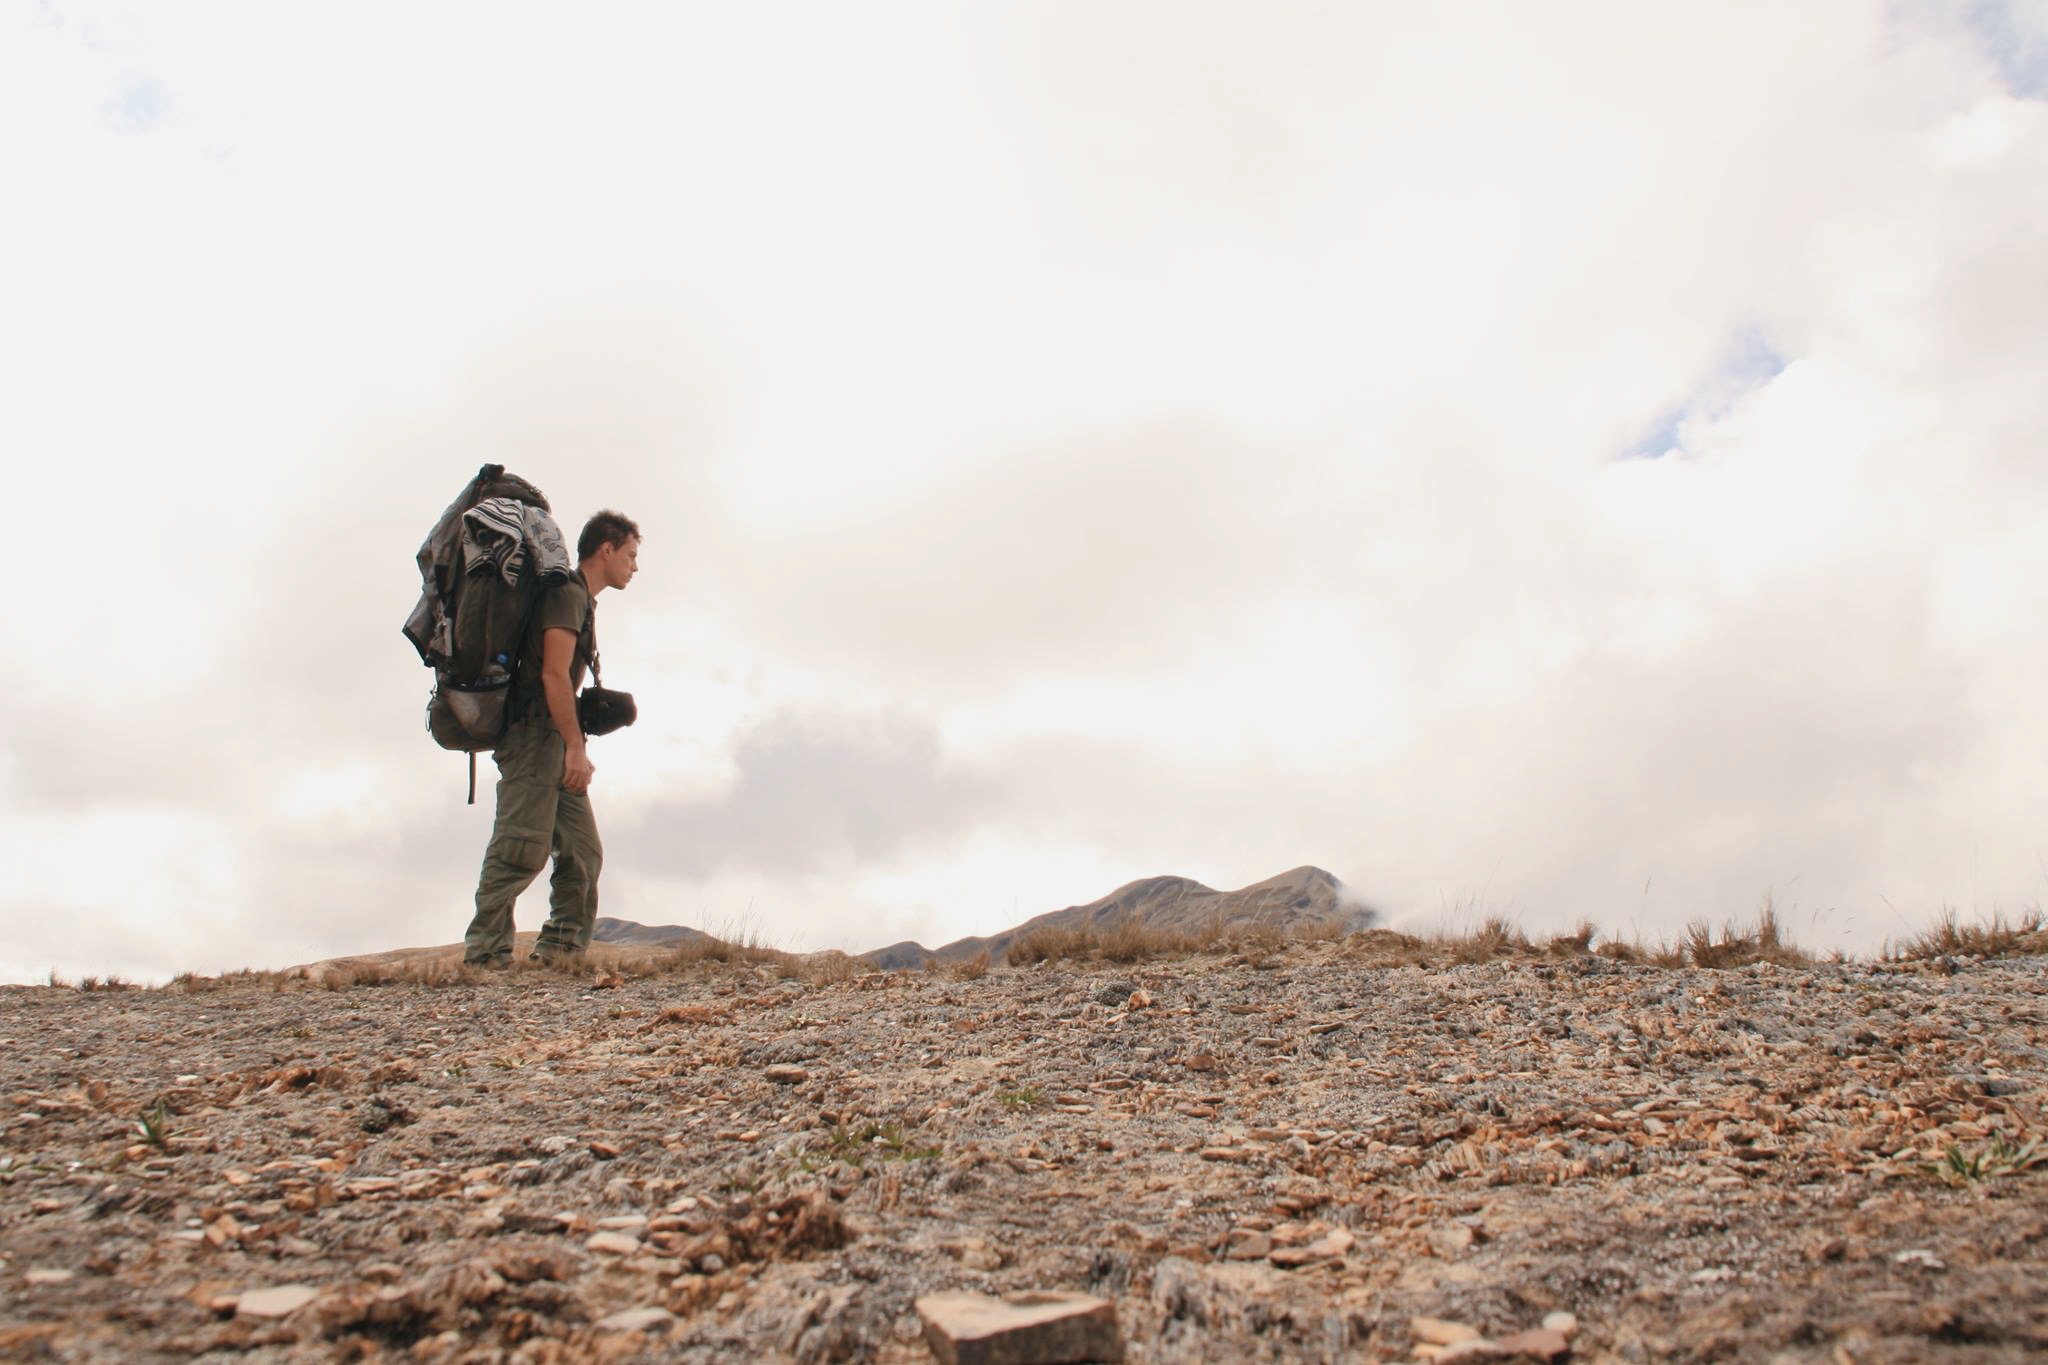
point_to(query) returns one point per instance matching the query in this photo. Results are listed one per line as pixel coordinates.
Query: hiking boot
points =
(498, 963)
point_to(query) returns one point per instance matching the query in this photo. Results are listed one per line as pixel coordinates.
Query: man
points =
(544, 769)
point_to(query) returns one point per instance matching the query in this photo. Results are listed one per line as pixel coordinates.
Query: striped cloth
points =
(499, 535)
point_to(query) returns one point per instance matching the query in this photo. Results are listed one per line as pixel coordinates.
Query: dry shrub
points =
(1762, 941)
(744, 948)
(831, 967)
(973, 969)
(1386, 948)
(1577, 943)
(1049, 945)
(1494, 938)
(1129, 941)
(1997, 936)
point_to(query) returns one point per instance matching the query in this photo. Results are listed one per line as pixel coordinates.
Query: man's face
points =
(618, 563)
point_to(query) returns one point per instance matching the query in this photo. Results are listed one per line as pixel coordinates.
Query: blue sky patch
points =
(2015, 46)
(1748, 361)
(143, 104)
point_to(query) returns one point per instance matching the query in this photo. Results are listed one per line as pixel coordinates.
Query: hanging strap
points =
(472, 777)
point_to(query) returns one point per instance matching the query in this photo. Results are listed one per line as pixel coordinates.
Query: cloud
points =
(814, 794)
(1074, 443)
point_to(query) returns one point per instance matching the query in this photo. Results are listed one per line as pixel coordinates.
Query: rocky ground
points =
(1273, 1155)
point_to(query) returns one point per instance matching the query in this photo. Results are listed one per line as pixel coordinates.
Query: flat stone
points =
(1028, 1328)
(613, 1243)
(1566, 1324)
(1542, 1343)
(638, 1320)
(275, 1301)
(1247, 1245)
(1450, 1239)
(41, 1275)
(1440, 1331)
(624, 1222)
(1478, 1348)
(787, 1075)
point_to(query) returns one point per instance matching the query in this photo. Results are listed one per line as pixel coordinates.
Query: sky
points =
(1571, 462)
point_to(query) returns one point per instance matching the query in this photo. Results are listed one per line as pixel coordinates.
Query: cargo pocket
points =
(527, 852)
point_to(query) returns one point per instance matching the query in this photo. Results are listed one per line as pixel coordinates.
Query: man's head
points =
(609, 549)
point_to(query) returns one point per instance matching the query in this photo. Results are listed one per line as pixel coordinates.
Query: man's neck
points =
(591, 585)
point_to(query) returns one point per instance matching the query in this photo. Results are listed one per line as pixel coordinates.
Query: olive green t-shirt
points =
(565, 606)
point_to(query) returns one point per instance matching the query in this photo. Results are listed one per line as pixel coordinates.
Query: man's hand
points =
(558, 648)
(577, 770)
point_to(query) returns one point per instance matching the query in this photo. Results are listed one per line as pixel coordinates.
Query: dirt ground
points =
(1276, 1155)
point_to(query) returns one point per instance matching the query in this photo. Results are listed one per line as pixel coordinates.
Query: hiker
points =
(544, 770)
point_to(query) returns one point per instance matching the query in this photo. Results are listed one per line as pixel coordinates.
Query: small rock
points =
(1478, 1348)
(606, 1151)
(1201, 1061)
(276, 1301)
(624, 1222)
(1543, 1343)
(556, 1144)
(1026, 1328)
(1448, 1240)
(43, 1276)
(1325, 1248)
(1441, 1331)
(784, 1074)
(1564, 1324)
(638, 1320)
(1921, 1257)
(1247, 1244)
(613, 1243)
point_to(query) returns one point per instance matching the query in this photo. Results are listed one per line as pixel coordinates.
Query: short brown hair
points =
(606, 528)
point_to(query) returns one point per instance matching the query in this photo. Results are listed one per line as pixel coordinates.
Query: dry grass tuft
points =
(1494, 938)
(1386, 948)
(1762, 941)
(831, 967)
(973, 969)
(1129, 941)
(1577, 943)
(1948, 936)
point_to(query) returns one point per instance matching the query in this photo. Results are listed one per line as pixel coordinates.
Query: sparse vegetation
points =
(1495, 937)
(153, 1125)
(858, 1144)
(1577, 943)
(2000, 1154)
(1948, 936)
(1027, 1097)
(1762, 941)
(1125, 942)
(973, 969)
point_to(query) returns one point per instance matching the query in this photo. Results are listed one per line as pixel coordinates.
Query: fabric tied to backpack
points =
(495, 549)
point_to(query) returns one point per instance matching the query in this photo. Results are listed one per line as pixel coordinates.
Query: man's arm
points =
(557, 651)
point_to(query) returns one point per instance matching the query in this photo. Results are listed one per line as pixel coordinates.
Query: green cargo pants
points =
(535, 817)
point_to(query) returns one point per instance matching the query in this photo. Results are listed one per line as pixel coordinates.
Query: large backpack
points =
(482, 569)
